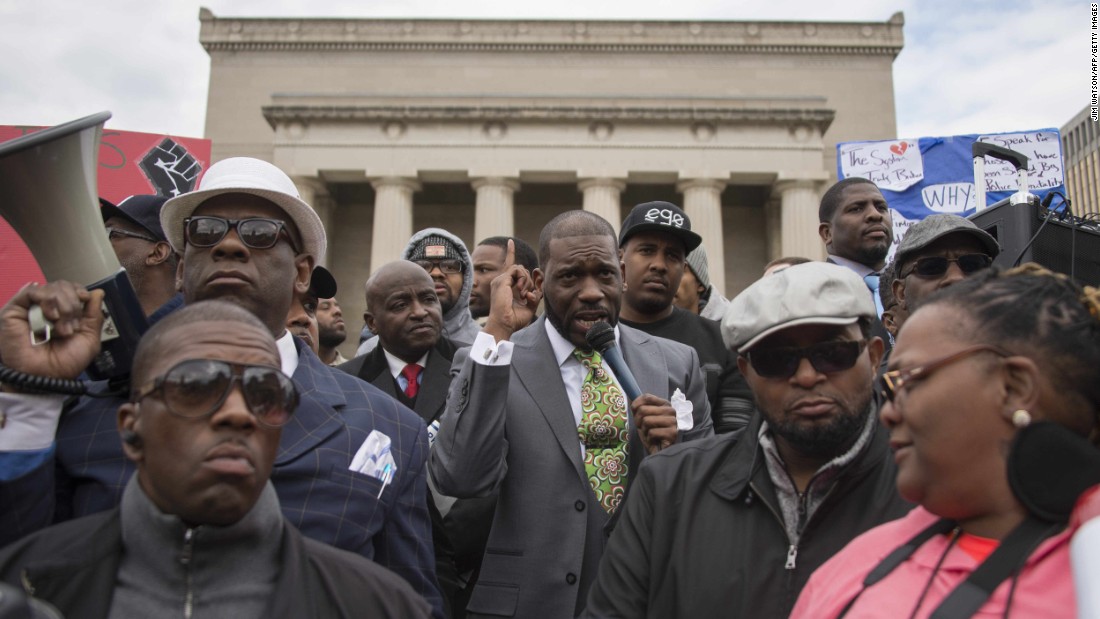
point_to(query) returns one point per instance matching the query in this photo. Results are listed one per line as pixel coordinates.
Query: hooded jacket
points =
(458, 325)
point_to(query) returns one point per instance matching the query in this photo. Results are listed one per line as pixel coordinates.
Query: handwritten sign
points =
(901, 225)
(895, 165)
(948, 197)
(1044, 156)
(945, 169)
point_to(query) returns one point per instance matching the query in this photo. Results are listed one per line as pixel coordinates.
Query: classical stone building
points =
(1081, 154)
(489, 127)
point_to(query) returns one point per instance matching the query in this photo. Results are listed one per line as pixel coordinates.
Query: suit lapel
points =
(316, 418)
(643, 356)
(376, 371)
(373, 365)
(534, 364)
(433, 387)
(385, 384)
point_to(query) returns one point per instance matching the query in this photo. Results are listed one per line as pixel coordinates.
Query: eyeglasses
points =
(197, 388)
(448, 267)
(894, 381)
(117, 233)
(254, 232)
(826, 357)
(936, 266)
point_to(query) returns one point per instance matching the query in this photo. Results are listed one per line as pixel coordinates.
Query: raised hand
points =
(77, 317)
(514, 298)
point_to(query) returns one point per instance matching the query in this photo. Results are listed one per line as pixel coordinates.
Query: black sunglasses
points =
(827, 357)
(117, 233)
(197, 388)
(448, 267)
(936, 266)
(254, 232)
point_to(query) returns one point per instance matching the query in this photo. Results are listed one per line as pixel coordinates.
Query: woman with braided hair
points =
(980, 366)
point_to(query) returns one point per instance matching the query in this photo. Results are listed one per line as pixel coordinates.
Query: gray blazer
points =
(510, 429)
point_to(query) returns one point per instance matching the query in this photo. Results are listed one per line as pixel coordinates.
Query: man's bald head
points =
(382, 280)
(404, 310)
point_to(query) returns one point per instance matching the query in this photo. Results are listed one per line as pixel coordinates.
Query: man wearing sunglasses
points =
(742, 520)
(138, 241)
(202, 425)
(937, 252)
(351, 467)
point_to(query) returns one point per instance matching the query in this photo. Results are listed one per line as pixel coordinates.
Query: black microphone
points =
(601, 337)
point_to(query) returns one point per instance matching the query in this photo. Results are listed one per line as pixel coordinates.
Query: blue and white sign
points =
(936, 175)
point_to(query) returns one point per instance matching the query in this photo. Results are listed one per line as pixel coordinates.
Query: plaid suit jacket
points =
(318, 493)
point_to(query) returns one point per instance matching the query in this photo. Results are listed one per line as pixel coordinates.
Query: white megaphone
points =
(48, 193)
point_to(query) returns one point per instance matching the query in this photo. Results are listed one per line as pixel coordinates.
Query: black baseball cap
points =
(660, 217)
(141, 210)
(322, 284)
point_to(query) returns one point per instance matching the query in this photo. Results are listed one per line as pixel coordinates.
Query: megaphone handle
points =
(38, 325)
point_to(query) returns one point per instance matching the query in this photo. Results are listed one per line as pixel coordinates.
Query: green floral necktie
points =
(603, 431)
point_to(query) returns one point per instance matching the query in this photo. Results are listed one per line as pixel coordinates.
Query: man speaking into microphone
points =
(537, 416)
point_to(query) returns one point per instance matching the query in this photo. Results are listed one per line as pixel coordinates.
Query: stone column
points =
(314, 192)
(798, 234)
(393, 218)
(773, 229)
(703, 205)
(494, 212)
(601, 196)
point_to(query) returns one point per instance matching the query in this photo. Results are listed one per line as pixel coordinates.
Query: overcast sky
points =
(967, 67)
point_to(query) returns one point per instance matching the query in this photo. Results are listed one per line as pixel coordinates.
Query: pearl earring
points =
(1021, 418)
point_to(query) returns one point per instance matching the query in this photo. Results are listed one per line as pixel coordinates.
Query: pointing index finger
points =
(509, 255)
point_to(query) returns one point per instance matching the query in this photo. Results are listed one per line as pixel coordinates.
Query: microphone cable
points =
(32, 383)
(1046, 202)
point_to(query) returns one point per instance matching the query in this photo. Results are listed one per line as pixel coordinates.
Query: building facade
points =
(493, 127)
(1081, 154)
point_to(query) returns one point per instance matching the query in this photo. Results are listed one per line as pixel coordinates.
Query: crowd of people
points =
(586, 428)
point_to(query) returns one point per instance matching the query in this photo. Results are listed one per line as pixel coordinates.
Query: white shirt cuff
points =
(486, 350)
(30, 420)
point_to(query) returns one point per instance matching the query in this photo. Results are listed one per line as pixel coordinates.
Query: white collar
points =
(288, 353)
(397, 365)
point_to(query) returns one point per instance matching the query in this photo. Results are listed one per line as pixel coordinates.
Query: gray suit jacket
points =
(511, 429)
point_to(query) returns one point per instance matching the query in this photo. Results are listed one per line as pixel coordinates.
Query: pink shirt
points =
(1043, 589)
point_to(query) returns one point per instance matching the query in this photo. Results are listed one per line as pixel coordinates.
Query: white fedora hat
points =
(252, 176)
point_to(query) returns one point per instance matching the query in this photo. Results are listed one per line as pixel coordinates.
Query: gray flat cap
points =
(811, 293)
(928, 230)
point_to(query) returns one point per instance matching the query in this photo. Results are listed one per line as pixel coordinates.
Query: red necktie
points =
(411, 372)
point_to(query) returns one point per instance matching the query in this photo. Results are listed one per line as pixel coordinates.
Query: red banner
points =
(130, 163)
